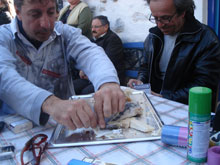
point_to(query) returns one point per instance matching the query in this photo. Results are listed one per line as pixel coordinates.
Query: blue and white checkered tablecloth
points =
(135, 153)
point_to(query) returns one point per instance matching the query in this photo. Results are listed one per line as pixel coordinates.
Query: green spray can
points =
(199, 123)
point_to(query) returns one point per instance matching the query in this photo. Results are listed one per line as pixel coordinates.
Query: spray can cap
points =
(200, 99)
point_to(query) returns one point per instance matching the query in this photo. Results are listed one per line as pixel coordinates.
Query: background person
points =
(34, 69)
(77, 14)
(7, 12)
(103, 36)
(180, 51)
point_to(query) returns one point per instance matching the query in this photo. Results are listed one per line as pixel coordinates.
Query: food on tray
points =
(108, 134)
(131, 110)
(140, 125)
(128, 93)
(135, 123)
(119, 124)
(138, 122)
(132, 117)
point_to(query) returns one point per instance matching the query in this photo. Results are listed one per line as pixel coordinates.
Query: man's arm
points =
(90, 58)
(143, 72)
(71, 113)
(85, 19)
(109, 99)
(21, 95)
(206, 70)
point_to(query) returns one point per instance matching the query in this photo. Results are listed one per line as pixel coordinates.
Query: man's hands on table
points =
(109, 99)
(133, 82)
(156, 94)
(71, 113)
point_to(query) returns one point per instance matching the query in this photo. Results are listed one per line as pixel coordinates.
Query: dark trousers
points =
(83, 86)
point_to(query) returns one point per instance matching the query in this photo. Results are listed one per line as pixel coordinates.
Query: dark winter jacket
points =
(195, 61)
(113, 47)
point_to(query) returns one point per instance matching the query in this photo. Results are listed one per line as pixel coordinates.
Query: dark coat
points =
(113, 47)
(195, 61)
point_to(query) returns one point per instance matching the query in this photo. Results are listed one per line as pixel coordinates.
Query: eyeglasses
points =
(97, 26)
(163, 19)
(37, 146)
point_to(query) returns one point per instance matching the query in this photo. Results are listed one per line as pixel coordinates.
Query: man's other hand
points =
(109, 100)
(133, 82)
(70, 113)
(156, 94)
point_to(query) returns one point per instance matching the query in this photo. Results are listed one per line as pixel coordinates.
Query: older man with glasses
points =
(180, 51)
(104, 37)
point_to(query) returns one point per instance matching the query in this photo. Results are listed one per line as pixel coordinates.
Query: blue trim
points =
(218, 19)
(216, 16)
(211, 13)
(131, 73)
(137, 45)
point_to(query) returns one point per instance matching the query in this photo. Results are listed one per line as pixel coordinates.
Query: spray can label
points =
(198, 140)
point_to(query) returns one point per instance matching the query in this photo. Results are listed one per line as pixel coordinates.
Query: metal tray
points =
(62, 137)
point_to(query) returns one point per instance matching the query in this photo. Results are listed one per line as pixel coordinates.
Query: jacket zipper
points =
(172, 54)
(151, 62)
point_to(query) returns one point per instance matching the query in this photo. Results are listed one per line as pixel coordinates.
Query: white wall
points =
(129, 18)
(201, 12)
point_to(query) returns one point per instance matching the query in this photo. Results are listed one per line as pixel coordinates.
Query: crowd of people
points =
(39, 50)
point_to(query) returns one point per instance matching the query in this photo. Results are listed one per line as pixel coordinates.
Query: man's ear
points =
(106, 27)
(18, 13)
(183, 14)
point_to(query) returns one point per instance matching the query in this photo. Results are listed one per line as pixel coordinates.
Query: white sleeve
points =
(88, 57)
(21, 95)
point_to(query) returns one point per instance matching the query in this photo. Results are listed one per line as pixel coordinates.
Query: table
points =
(138, 153)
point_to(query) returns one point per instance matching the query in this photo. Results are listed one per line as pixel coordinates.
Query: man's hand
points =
(71, 113)
(109, 99)
(132, 82)
(156, 94)
(82, 75)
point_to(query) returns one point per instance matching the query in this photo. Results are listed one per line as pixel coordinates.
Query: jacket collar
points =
(104, 35)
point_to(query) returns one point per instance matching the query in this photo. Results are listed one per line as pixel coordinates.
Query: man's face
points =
(73, 1)
(165, 9)
(98, 29)
(38, 19)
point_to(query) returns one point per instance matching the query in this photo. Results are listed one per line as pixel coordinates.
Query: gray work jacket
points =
(29, 75)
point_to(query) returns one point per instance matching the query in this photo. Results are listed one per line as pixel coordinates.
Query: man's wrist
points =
(109, 83)
(48, 103)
